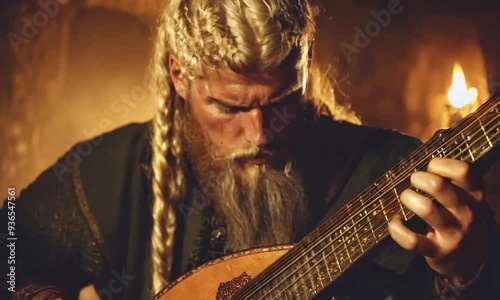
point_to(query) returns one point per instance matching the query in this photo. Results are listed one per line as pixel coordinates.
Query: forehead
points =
(251, 87)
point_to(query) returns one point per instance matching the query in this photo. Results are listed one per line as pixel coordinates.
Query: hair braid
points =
(244, 36)
(168, 179)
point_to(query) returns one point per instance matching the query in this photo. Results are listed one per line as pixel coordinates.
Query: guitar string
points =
(383, 221)
(488, 110)
(370, 233)
(353, 206)
(350, 241)
(452, 141)
(417, 152)
(354, 255)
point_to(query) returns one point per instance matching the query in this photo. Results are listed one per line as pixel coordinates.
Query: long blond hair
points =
(242, 35)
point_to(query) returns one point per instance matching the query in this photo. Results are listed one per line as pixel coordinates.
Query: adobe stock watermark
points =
(115, 286)
(364, 35)
(200, 200)
(32, 25)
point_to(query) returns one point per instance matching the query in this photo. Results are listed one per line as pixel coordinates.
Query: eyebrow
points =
(225, 103)
(275, 99)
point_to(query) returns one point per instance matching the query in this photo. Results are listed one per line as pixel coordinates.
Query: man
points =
(243, 152)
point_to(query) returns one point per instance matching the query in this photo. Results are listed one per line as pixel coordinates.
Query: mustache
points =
(250, 152)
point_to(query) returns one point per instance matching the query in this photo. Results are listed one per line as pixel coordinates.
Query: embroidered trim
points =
(84, 206)
(33, 289)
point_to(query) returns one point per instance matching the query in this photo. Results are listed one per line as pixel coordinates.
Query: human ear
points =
(178, 79)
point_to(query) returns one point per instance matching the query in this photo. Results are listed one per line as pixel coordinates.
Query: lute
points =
(303, 270)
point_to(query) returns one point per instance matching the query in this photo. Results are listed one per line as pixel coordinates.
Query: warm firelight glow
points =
(459, 95)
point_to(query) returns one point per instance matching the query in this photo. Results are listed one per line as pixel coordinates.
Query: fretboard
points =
(332, 248)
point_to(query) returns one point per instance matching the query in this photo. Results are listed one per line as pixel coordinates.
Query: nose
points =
(255, 132)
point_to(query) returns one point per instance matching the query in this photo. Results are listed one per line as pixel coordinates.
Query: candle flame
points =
(459, 95)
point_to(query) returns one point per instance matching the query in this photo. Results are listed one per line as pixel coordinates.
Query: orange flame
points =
(459, 95)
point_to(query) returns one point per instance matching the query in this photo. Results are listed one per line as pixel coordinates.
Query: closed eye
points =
(228, 110)
(225, 108)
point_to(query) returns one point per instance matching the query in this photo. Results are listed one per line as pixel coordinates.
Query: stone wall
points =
(67, 62)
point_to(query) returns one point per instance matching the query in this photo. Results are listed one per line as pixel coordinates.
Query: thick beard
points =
(260, 204)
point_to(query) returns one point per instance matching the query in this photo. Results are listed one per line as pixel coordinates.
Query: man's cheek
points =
(222, 133)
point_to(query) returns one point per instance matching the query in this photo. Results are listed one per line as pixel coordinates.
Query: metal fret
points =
(441, 151)
(312, 287)
(337, 260)
(383, 208)
(303, 283)
(319, 276)
(367, 216)
(373, 232)
(456, 149)
(345, 247)
(389, 175)
(327, 267)
(327, 250)
(400, 204)
(357, 236)
(312, 266)
(334, 249)
(485, 133)
(466, 139)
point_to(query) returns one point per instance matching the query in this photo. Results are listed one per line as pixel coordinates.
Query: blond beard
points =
(260, 204)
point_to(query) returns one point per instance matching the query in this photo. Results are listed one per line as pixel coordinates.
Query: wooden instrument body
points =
(318, 259)
(204, 282)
